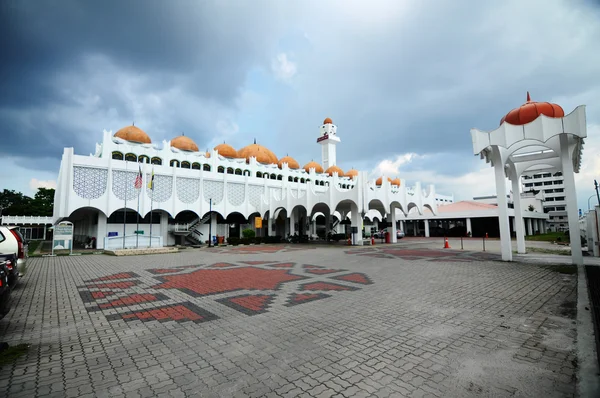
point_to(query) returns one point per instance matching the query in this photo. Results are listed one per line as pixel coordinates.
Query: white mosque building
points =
(247, 188)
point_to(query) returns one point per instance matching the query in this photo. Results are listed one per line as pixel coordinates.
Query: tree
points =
(14, 203)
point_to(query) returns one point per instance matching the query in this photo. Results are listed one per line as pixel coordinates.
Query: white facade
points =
(553, 188)
(90, 189)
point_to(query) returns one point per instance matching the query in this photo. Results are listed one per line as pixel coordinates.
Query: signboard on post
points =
(257, 222)
(62, 237)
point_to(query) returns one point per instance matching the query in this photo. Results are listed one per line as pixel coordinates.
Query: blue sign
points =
(113, 234)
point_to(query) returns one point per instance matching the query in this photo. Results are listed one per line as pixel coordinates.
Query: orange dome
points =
(226, 150)
(133, 134)
(352, 173)
(313, 165)
(530, 111)
(327, 121)
(380, 181)
(291, 162)
(396, 181)
(335, 169)
(184, 143)
(207, 154)
(262, 154)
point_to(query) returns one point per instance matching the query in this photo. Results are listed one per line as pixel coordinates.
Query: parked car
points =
(4, 290)
(10, 263)
(12, 242)
(399, 234)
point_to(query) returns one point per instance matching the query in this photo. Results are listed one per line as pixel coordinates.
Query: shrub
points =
(245, 241)
(258, 240)
(248, 233)
(232, 240)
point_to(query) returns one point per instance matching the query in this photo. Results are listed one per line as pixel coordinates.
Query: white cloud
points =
(390, 168)
(34, 184)
(283, 68)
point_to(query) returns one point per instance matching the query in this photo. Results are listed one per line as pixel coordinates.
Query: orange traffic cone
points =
(446, 244)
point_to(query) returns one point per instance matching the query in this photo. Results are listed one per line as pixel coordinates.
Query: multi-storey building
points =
(554, 203)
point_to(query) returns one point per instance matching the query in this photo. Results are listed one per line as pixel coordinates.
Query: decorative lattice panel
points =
(254, 195)
(89, 182)
(277, 193)
(294, 193)
(302, 194)
(188, 189)
(123, 184)
(163, 188)
(213, 190)
(236, 193)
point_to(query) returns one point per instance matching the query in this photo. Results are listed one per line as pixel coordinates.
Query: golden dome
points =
(184, 143)
(291, 162)
(335, 169)
(226, 150)
(133, 134)
(352, 173)
(396, 181)
(262, 154)
(380, 180)
(313, 165)
(327, 121)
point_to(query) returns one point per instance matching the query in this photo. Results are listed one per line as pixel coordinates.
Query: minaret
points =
(328, 140)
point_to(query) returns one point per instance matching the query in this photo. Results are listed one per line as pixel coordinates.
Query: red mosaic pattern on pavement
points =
(220, 278)
(180, 313)
(114, 285)
(133, 300)
(249, 304)
(355, 277)
(301, 298)
(207, 281)
(265, 248)
(448, 255)
(121, 275)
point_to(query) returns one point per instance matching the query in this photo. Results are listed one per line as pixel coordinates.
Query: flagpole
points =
(151, 205)
(125, 212)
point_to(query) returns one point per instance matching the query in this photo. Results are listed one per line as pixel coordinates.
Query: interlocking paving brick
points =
(323, 323)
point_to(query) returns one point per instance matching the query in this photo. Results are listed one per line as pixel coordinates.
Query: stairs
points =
(334, 225)
(192, 234)
(194, 237)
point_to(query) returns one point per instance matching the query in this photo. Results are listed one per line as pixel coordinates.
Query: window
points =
(117, 155)
(143, 159)
(220, 169)
(290, 179)
(559, 190)
(258, 174)
(560, 208)
(247, 173)
(156, 160)
(528, 185)
(549, 199)
(548, 190)
(174, 163)
(537, 176)
(557, 182)
(131, 157)
(238, 172)
(279, 177)
(538, 184)
(547, 182)
(295, 179)
(206, 167)
(559, 198)
(547, 175)
(185, 165)
(558, 174)
(196, 166)
(273, 177)
(230, 170)
(302, 180)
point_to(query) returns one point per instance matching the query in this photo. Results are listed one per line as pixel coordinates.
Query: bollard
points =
(461, 243)
(484, 242)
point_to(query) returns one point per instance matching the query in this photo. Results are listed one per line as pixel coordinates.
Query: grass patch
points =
(550, 237)
(561, 269)
(32, 246)
(10, 354)
(548, 251)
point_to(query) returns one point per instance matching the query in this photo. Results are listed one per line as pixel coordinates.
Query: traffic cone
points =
(446, 244)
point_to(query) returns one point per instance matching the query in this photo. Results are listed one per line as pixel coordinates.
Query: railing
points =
(131, 242)
(180, 227)
(20, 220)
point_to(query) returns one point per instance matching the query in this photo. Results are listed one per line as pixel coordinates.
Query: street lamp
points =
(589, 201)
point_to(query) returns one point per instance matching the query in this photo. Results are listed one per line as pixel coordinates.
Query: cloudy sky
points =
(404, 81)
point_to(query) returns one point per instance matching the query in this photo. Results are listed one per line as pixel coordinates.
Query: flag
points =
(138, 179)
(151, 183)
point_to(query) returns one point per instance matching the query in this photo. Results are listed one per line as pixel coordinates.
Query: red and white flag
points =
(138, 179)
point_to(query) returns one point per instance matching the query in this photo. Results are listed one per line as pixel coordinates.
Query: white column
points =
(542, 224)
(505, 242)
(415, 224)
(469, 229)
(101, 230)
(270, 225)
(292, 223)
(402, 226)
(394, 237)
(356, 222)
(571, 199)
(164, 227)
(213, 227)
(327, 224)
(427, 228)
(529, 227)
(518, 220)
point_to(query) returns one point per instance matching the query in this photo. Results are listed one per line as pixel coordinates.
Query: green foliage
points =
(248, 233)
(550, 237)
(10, 355)
(14, 203)
(232, 240)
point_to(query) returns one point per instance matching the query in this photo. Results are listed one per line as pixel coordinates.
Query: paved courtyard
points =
(287, 321)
